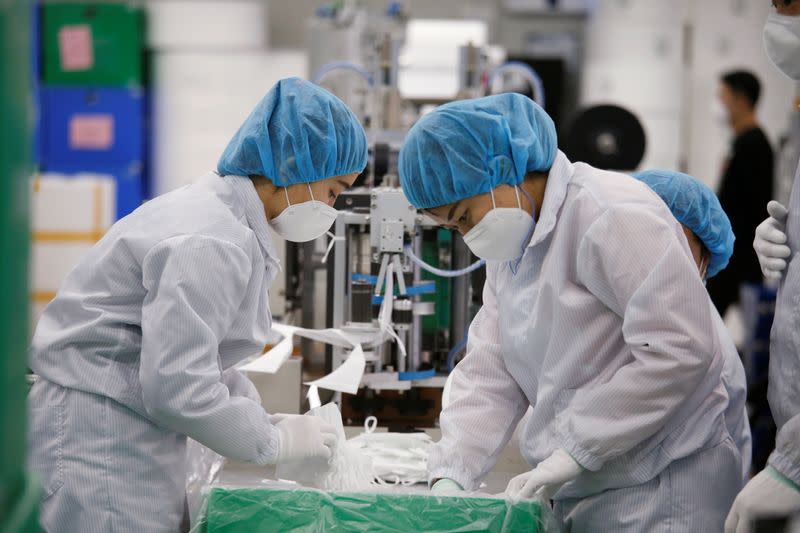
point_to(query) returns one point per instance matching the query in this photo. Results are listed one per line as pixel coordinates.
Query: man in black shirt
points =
(746, 185)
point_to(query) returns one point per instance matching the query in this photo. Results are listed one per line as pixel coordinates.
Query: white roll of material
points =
(624, 85)
(200, 100)
(208, 25)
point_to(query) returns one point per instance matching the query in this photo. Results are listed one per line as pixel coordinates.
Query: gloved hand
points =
(769, 494)
(446, 485)
(546, 478)
(303, 438)
(770, 242)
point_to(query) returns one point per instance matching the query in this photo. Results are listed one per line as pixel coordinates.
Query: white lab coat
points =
(146, 330)
(784, 353)
(735, 381)
(603, 328)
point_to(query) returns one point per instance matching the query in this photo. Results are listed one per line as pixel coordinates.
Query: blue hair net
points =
(298, 133)
(695, 206)
(466, 148)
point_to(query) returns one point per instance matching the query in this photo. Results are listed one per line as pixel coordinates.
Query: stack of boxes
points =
(91, 138)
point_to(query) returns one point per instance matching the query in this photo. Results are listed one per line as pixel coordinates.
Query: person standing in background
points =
(746, 184)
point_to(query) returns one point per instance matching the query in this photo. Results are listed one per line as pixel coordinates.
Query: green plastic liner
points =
(255, 510)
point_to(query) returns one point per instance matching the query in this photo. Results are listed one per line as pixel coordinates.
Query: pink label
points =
(91, 132)
(75, 48)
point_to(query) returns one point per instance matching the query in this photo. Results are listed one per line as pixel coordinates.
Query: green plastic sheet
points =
(256, 510)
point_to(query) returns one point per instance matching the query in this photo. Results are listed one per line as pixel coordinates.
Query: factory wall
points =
(288, 18)
(726, 34)
(197, 82)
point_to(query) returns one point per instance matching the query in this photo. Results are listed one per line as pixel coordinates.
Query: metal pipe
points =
(307, 289)
(349, 66)
(524, 70)
(415, 343)
(340, 284)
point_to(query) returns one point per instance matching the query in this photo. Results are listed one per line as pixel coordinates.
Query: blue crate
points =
(92, 127)
(129, 179)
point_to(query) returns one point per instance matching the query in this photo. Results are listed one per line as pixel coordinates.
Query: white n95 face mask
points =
(305, 221)
(782, 42)
(503, 233)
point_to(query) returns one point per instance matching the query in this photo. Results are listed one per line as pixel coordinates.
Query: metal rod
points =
(381, 274)
(461, 288)
(341, 283)
(415, 344)
(398, 270)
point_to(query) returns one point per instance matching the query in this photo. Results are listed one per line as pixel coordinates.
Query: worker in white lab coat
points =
(775, 491)
(593, 315)
(710, 235)
(137, 350)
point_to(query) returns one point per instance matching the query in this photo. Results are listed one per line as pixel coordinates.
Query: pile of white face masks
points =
(397, 458)
(348, 468)
(370, 458)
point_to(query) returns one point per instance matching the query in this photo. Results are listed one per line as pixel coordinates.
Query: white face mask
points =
(719, 113)
(782, 41)
(503, 233)
(305, 221)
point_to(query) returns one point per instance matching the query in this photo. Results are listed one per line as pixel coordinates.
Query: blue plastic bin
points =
(92, 128)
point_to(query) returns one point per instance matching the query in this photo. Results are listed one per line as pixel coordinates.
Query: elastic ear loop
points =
(516, 190)
(286, 192)
(704, 261)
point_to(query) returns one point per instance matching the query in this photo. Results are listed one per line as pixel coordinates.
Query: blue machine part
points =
(427, 288)
(416, 376)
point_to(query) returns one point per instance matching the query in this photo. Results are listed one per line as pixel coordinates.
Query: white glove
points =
(544, 480)
(769, 494)
(770, 242)
(303, 438)
(445, 486)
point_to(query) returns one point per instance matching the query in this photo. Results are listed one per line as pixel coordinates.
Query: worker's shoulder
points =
(607, 190)
(191, 213)
(753, 140)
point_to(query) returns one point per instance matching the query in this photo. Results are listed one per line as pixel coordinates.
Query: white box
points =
(80, 203)
(281, 392)
(52, 261)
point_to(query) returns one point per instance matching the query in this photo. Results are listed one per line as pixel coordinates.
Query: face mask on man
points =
(782, 42)
(503, 233)
(305, 221)
(719, 113)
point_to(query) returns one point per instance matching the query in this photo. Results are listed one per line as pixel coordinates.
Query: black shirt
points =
(744, 192)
